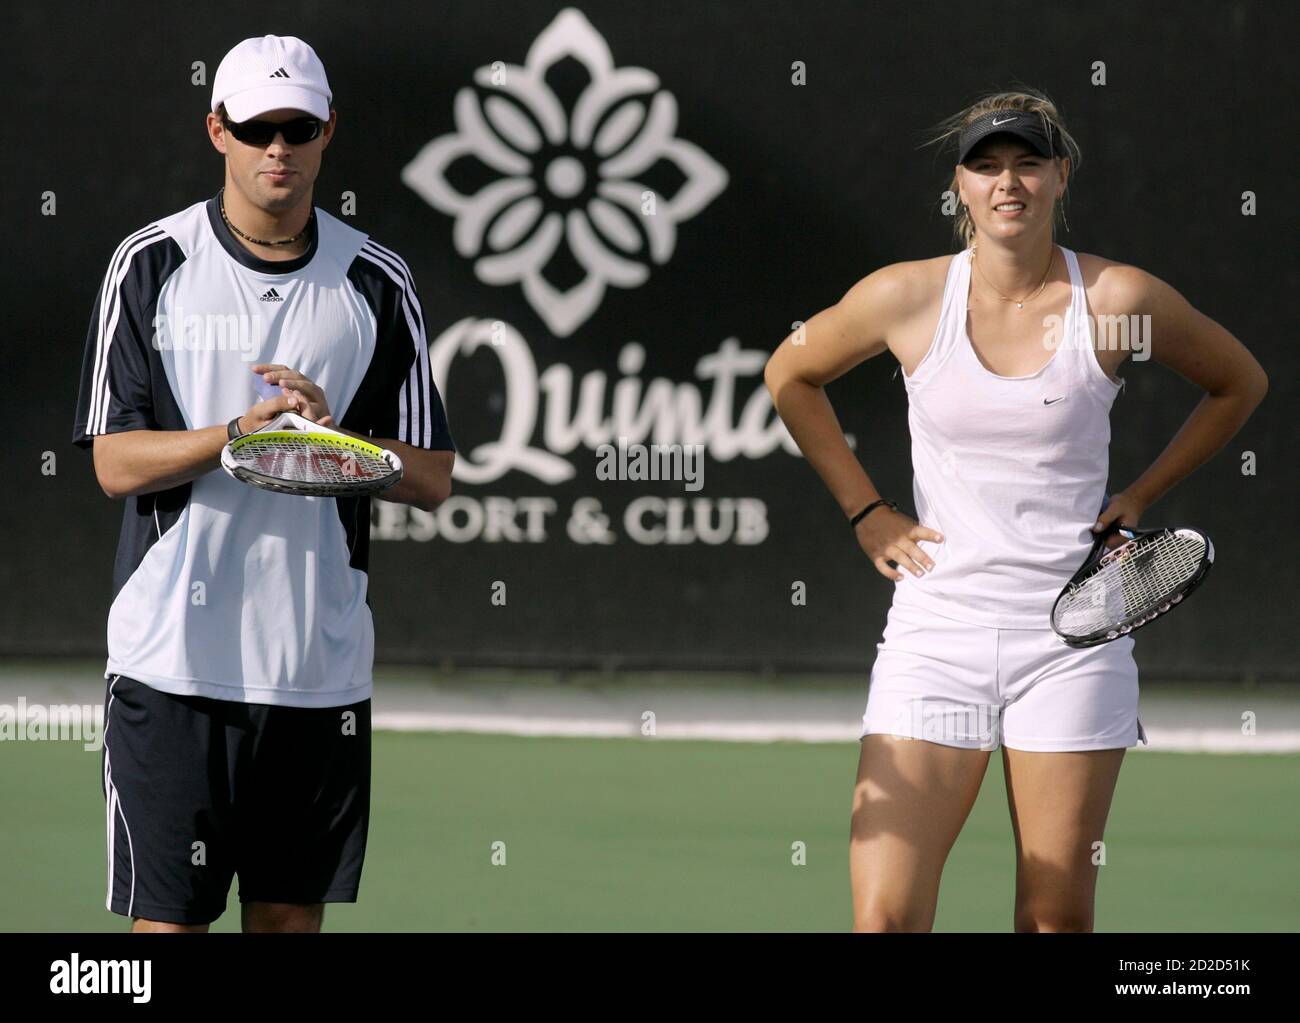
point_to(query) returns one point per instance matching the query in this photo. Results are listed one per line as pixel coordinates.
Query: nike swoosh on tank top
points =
(1011, 470)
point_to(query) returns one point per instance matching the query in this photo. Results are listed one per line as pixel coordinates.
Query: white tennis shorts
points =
(975, 687)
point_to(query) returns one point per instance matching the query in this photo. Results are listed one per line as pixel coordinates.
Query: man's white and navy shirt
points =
(220, 589)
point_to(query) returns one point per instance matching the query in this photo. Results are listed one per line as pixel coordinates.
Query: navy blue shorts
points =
(198, 790)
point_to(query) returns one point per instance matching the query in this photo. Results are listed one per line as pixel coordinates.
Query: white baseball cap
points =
(271, 73)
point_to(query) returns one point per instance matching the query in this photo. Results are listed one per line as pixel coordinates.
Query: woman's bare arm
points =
(830, 344)
(1202, 352)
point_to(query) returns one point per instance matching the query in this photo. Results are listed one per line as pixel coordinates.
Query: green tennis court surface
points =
(642, 834)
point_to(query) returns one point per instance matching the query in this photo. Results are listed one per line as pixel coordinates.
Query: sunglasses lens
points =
(262, 133)
(302, 130)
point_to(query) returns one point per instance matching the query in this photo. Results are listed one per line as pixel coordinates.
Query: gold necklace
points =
(1020, 303)
(259, 241)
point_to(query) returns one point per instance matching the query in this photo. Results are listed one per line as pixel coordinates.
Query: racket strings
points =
(1132, 582)
(303, 461)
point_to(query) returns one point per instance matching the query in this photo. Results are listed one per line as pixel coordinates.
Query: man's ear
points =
(330, 125)
(216, 133)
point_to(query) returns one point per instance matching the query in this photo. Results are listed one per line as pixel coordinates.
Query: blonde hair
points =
(1031, 101)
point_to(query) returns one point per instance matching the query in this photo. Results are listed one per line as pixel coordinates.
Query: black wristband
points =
(232, 428)
(853, 522)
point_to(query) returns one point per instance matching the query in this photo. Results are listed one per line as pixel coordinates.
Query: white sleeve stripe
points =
(108, 299)
(393, 260)
(420, 380)
(414, 399)
(109, 311)
(404, 406)
(426, 384)
(419, 371)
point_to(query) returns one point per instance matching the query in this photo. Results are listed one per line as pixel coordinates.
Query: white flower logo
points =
(567, 176)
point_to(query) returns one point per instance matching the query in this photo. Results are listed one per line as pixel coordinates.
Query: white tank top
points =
(1011, 470)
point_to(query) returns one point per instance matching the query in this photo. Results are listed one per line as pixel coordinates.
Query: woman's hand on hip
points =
(886, 535)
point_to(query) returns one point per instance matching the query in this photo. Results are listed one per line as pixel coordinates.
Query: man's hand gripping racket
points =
(300, 454)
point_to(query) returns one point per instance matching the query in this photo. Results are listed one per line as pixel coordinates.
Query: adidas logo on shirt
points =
(272, 296)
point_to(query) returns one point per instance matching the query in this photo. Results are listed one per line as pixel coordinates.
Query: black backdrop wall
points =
(772, 199)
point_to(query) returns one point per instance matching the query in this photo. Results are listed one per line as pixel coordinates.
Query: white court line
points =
(1167, 740)
(1206, 720)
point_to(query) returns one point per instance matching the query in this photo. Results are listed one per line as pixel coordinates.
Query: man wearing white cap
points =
(240, 640)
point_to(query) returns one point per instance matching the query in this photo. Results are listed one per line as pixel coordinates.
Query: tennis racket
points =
(293, 455)
(1118, 591)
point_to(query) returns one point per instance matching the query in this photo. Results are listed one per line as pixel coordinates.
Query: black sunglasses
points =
(262, 133)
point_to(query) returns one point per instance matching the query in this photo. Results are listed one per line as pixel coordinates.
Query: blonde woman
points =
(1009, 400)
